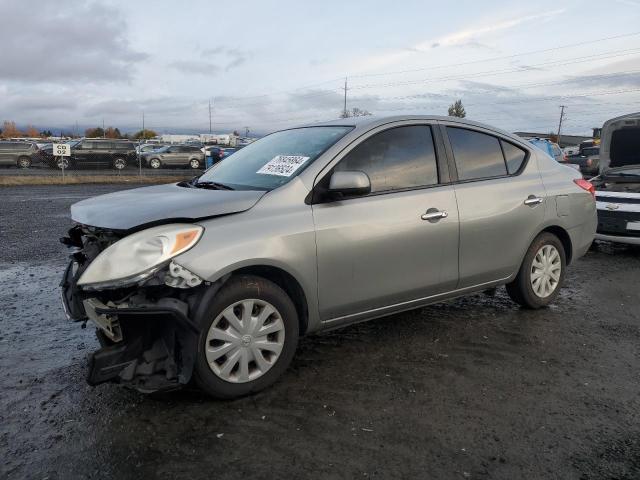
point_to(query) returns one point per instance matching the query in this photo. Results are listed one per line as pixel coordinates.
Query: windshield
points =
(273, 160)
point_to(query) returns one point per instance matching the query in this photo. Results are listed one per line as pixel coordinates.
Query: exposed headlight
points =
(137, 257)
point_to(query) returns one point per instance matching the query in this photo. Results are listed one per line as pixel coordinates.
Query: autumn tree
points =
(9, 130)
(145, 134)
(94, 132)
(457, 110)
(112, 133)
(31, 132)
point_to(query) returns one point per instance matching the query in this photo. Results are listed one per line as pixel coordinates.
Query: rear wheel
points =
(194, 163)
(24, 162)
(541, 274)
(249, 334)
(155, 163)
(119, 163)
(62, 162)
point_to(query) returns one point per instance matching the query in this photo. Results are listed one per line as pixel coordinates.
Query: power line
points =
(471, 62)
(587, 58)
(504, 57)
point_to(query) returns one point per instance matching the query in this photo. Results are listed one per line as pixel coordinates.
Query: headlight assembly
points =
(137, 257)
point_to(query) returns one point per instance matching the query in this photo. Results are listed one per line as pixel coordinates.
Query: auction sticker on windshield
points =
(283, 165)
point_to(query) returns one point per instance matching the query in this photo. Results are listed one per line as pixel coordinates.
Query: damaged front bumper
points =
(147, 334)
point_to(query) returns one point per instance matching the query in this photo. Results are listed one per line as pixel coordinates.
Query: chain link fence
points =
(103, 159)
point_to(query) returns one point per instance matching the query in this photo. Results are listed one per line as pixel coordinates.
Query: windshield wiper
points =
(214, 185)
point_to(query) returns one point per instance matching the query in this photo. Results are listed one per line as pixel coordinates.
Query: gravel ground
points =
(474, 388)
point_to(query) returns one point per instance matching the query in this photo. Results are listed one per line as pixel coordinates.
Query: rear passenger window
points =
(477, 155)
(396, 159)
(514, 156)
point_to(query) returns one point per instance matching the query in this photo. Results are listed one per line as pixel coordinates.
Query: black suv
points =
(95, 153)
(19, 154)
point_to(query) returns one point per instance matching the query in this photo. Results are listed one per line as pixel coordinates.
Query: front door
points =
(398, 244)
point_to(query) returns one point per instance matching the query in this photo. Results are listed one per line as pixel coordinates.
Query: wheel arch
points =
(564, 238)
(287, 282)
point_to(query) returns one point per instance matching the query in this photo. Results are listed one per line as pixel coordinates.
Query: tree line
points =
(10, 130)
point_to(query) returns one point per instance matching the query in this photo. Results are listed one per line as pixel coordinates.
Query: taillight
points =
(565, 157)
(588, 162)
(585, 185)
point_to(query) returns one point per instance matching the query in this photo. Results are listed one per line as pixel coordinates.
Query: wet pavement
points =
(474, 388)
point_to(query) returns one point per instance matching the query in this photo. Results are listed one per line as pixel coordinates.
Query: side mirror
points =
(348, 184)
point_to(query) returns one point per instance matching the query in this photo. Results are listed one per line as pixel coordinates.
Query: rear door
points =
(7, 153)
(501, 202)
(380, 250)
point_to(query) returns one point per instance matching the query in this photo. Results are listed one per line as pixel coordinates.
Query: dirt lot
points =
(475, 388)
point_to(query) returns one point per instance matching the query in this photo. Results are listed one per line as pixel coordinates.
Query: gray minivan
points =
(19, 154)
(313, 228)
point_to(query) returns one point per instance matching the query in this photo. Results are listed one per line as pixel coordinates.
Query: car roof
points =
(371, 121)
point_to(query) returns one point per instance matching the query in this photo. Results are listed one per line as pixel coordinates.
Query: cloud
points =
(53, 42)
(41, 102)
(470, 35)
(618, 80)
(232, 57)
(194, 66)
(152, 106)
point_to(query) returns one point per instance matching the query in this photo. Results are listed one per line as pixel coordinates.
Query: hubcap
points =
(195, 164)
(119, 164)
(155, 163)
(545, 271)
(245, 341)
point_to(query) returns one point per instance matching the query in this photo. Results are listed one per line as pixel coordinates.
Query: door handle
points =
(433, 214)
(533, 200)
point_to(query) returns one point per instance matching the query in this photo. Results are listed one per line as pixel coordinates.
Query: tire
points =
(155, 163)
(63, 161)
(119, 163)
(530, 288)
(194, 163)
(24, 162)
(259, 294)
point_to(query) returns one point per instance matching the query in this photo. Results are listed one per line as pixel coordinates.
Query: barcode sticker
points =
(283, 165)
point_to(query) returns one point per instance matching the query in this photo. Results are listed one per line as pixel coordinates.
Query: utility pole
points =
(140, 142)
(344, 109)
(103, 135)
(210, 117)
(562, 107)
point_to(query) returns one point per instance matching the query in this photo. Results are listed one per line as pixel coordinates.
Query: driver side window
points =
(395, 159)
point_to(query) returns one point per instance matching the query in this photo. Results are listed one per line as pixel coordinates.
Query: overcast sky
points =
(271, 64)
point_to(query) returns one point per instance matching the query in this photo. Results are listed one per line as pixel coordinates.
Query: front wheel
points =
(155, 163)
(62, 162)
(24, 162)
(249, 334)
(541, 274)
(194, 163)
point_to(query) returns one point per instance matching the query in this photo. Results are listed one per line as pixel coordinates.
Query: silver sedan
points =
(313, 228)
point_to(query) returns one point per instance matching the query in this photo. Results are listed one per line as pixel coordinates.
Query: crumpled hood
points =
(160, 204)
